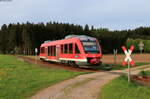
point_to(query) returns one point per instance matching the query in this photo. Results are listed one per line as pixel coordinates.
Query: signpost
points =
(141, 47)
(128, 59)
(36, 55)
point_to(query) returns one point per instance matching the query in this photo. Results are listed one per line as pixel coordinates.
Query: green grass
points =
(119, 88)
(19, 80)
(144, 73)
(108, 67)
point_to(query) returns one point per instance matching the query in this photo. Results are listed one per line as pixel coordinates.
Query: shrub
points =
(136, 42)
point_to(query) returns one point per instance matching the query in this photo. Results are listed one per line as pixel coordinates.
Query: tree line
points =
(24, 38)
(116, 39)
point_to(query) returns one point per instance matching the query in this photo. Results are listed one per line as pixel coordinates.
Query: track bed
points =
(56, 65)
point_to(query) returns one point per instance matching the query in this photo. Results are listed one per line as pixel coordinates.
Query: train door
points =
(46, 52)
(57, 52)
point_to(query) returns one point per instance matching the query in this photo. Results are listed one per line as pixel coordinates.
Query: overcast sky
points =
(112, 14)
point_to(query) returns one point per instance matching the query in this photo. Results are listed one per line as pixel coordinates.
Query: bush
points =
(147, 45)
(144, 73)
(136, 42)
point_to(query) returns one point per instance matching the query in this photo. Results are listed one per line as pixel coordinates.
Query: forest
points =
(25, 37)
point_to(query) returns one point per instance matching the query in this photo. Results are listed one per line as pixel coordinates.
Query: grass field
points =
(19, 80)
(120, 89)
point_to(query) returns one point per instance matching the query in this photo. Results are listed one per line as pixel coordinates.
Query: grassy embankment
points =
(119, 88)
(19, 80)
(144, 73)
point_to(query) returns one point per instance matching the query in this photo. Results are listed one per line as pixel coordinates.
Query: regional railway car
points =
(75, 50)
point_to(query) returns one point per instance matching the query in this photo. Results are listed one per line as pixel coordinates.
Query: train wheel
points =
(73, 64)
(42, 59)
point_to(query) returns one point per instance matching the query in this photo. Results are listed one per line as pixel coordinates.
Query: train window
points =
(42, 49)
(77, 49)
(54, 50)
(49, 50)
(71, 48)
(66, 48)
(62, 49)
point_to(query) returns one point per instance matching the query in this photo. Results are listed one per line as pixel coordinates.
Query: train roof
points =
(81, 37)
(70, 37)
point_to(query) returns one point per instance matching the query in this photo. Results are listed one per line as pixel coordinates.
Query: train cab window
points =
(62, 49)
(90, 47)
(77, 49)
(65, 48)
(70, 48)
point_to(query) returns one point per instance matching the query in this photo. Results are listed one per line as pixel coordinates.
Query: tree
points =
(86, 30)
(12, 38)
(3, 38)
(26, 41)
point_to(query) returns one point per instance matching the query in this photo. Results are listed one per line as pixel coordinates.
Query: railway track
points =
(56, 65)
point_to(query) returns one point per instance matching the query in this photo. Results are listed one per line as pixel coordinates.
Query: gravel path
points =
(81, 87)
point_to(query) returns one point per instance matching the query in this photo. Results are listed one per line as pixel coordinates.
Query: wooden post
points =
(115, 56)
(36, 56)
(129, 71)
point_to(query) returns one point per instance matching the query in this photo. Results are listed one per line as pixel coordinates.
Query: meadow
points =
(20, 80)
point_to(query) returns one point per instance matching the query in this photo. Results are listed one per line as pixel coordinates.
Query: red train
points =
(75, 50)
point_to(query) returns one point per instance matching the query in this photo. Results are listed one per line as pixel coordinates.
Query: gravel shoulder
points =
(82, 87)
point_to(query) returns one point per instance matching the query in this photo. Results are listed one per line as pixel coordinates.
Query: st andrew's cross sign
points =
(128, 55)
(128, 59)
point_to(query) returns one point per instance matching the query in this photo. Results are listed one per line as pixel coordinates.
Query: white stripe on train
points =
(81, 60)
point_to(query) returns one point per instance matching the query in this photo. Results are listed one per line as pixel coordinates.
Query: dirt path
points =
(81, 87)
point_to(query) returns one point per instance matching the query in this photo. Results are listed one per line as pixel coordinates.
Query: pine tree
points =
(86, 30)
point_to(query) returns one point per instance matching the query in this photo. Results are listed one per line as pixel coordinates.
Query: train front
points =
(92, 50)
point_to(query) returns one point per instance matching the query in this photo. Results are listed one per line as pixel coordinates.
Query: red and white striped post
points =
(128, 59)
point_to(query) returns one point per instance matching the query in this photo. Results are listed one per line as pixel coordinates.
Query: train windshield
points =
(90, 47)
